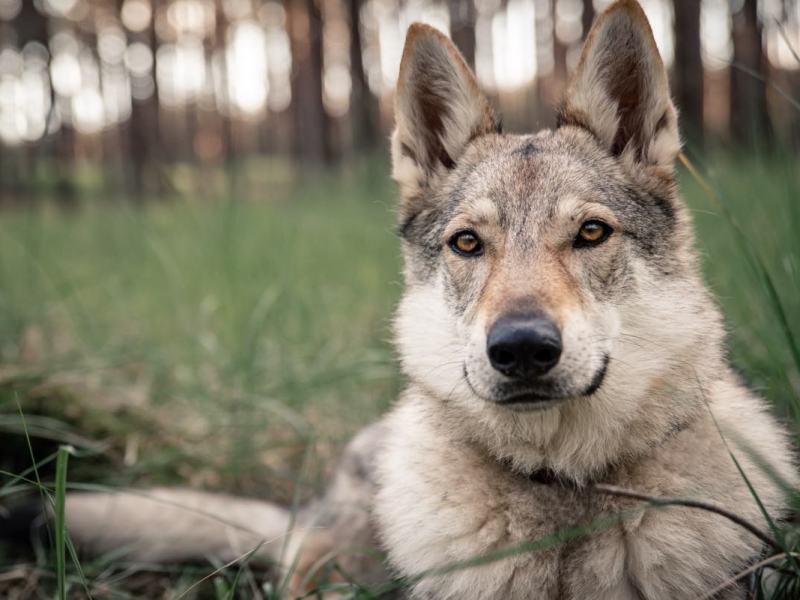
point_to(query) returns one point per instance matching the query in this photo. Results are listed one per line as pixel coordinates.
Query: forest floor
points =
(232, 345)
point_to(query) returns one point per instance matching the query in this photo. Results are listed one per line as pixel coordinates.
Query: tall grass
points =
(262, 322)
(210, 342)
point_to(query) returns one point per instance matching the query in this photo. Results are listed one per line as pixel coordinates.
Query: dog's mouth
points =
(543, 395)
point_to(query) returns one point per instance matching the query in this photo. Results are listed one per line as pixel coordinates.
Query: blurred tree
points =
(31, 26)
(749, 117)
(144, 130)
(688, 72)
(543, 32)
(363, 105)
(462, 27)
(217, 46)
(587, 17)
(109, 104)
(312, 127)
(559, 48)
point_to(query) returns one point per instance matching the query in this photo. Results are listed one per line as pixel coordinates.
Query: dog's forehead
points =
(533, 173)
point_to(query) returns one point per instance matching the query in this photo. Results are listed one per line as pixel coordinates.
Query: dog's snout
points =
(524, 346)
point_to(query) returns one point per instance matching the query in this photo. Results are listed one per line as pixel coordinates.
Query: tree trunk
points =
(311, 127)
(144, 130)
(363, 105)
(228, 149)
(462, 27)
(545, 59)
(587, 17)
(559, 51)
(749, 117)
(30, 25)
(688, 68)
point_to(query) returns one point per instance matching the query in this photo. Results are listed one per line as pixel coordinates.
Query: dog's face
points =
(527, 257)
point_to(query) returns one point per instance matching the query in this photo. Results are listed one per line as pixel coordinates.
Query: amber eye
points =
(592, 233)
(466, 243)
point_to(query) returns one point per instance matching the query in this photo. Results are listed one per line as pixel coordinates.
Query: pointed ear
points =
(438, 109)
(620, 91)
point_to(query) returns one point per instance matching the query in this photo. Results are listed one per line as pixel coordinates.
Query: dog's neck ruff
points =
(578, 442)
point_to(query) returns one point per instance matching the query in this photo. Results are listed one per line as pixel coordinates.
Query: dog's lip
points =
(528, 397)
(533, 396)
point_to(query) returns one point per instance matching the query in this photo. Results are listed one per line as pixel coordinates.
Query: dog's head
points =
(533, 261)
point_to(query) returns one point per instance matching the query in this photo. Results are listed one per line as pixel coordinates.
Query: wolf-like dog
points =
(557, 335)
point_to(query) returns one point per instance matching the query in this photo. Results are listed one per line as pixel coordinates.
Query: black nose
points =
(524, 346)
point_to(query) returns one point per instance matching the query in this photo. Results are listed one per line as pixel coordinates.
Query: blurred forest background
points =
(117, 94)
(197, 259)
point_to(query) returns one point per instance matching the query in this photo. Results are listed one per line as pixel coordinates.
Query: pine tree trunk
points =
(462, 27)
(559, 51)
(144, 129)
(587, 17)
(363, 105)
(689, 75)
(749, 117)
(311, 127)
(30, 25)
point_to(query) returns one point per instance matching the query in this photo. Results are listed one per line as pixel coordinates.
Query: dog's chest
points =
(543, 526)
(538, 525)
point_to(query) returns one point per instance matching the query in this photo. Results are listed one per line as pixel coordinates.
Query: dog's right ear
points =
(438, 110)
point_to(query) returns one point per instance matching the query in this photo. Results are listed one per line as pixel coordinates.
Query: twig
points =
(707, 506)
(742, 574)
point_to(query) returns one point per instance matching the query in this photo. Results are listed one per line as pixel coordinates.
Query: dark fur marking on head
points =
(651, 220)
(404, 229)
(527, 150)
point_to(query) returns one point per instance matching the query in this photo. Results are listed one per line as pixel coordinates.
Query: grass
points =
(758, 217)
(61, 522)
(248, 318)
(226, 344)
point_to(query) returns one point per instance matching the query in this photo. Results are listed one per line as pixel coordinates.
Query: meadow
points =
(233, 344)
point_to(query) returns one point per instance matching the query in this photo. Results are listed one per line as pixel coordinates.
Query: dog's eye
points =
(466, 243)
(592, 233)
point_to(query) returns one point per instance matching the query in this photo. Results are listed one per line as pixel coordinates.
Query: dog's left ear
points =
(438, 109)
(620, 91)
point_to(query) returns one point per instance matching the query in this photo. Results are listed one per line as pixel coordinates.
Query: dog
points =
(561, 348)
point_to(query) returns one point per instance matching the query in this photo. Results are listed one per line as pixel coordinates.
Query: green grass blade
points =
(60, 520)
